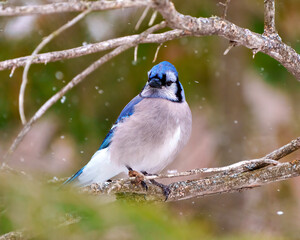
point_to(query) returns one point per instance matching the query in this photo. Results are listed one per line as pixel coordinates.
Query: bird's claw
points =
(165, 188)
(139, 178)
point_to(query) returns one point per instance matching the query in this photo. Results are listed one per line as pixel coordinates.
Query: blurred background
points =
(243, 108)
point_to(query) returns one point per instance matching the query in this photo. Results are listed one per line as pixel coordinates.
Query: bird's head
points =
(163, 83)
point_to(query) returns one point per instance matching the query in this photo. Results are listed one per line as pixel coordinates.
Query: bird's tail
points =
(73, 177)
(98, 170)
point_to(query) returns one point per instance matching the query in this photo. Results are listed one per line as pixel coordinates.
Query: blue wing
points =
(126, 112)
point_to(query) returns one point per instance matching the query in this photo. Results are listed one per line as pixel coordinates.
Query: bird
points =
(148, 134)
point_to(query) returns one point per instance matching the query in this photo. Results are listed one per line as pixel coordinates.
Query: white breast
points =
(154, 160)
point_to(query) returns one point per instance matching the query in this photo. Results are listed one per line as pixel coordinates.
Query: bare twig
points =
(144, 14)
(135, 53)
(71, 6)
(35, 52)
(231, 45)
(156, 52)
(239, 167)
(285, 150)
(152, 19)
(12, 72)
(225, 5)
(76, 80)
(269, 15)
(92, 48)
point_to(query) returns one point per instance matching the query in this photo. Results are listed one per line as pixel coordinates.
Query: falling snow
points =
(63, 99)
(59, 75)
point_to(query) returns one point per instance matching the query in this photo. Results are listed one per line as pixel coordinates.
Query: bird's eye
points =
(169, 83)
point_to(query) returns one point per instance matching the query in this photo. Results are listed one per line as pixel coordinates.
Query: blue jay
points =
(150, 131)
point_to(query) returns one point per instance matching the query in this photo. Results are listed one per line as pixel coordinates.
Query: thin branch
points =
(238, 167)
(152, 19)
(144, 14)
(269, 16)
(135, 53)
(76, 80)
(91, 48)
(231, 45)
(285, 150)
(156, 52)
(70, 6)
(225, 5)
(36, 51)
(12, 72)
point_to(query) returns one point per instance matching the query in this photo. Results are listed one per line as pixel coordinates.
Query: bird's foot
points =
(165, 188)
(139, 178)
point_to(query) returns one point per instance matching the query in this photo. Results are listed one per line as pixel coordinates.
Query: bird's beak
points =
(155, 83)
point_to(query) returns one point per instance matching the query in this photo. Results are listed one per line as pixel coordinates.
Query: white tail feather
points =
(99, 169)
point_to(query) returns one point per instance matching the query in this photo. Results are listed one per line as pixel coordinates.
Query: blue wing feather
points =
(77, 174)
(126, 112)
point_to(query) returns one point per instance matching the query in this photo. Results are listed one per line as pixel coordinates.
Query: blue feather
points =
(74, 176)
(126, 112)
(160, 69)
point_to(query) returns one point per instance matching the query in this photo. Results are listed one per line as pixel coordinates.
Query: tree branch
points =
(71, 6)
(91, 48)
(225, 5)
(285, 150)
(267, 44)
